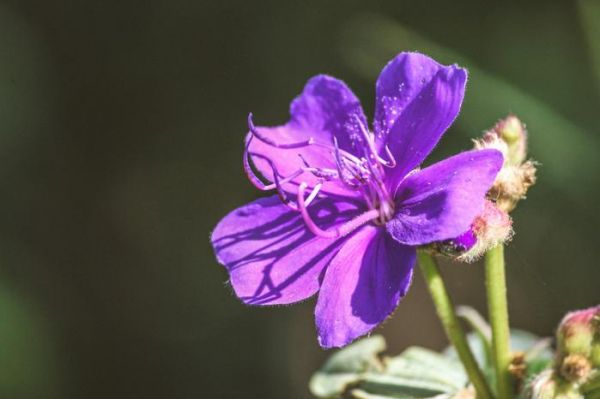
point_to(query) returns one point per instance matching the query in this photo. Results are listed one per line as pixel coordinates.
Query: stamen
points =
(278, 183)
(256, 181)
(337, 232)
(367, 137)
(280, 192)
(371, 145)
(313, 194)
(272, 143)
(341, 166)
(323, 173)
(392, 161)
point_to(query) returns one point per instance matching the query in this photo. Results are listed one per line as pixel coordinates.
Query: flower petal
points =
(362, 286)
(441, 201)
(270, 255)
(417, 99)
(327, 108)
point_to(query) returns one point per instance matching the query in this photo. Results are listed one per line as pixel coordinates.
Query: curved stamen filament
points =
(342, 167)
(313, 194)
(369, 140)
(338, 231)
(379, 186)
(392, 162)
(277, 185)
(323, 173)
(272, 143)
(300, 144)
(361, 172)
(256, 182)
(367, 137)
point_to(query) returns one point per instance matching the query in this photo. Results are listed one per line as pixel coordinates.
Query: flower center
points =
(363, 171)
(386, 212)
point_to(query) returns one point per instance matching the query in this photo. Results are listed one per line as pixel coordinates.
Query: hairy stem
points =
(447, 315)
(498, 314)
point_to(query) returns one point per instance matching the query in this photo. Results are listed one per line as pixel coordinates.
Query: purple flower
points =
(352, 203)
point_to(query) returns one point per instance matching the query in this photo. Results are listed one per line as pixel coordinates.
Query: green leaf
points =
(360, 394)
(346, 367)
(429, 365)
(400, 387)
(358, 357)
(416, 373)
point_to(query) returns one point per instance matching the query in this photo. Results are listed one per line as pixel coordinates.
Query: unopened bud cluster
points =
(509, 136)
(577, 361)
(579, 334)
(493, 225)
(548, 385)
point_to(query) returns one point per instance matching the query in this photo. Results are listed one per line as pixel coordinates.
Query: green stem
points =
(498, 313)
(447, 315)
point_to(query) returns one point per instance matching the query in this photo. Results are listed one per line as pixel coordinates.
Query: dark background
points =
(121, 127)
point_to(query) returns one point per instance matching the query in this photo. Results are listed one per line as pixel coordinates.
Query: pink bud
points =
(492, 227)
(578, 332)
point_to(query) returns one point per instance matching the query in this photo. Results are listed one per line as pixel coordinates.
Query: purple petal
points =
(362, 286)
(270, 255)
(417, 99)
(441, 201)
(327, 108)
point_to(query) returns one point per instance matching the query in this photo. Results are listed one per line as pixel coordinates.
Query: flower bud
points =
(578, 332)
(512, 131)
(517, 175)
(595, 355)
(490, 228)
(518, 366)
(575, 368)
(548, 385)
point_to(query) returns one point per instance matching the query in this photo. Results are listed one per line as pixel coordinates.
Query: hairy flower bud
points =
(575, 368)
(578, 332)
(595, 355)
(512, 131)
(490, 228)
(509, 136)
(548, 385)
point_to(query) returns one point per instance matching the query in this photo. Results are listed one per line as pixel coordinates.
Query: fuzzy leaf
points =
(400, 387)
(346, 367)
(423, 363)
(360, 394)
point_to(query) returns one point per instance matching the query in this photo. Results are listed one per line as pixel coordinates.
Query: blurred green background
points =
(121, 127)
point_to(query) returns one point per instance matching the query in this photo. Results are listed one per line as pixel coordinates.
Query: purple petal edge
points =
(441, 201)
(271, 257)
(417, 99)
(362, 286)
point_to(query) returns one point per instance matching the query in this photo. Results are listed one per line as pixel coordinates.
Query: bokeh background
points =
(121, 127)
